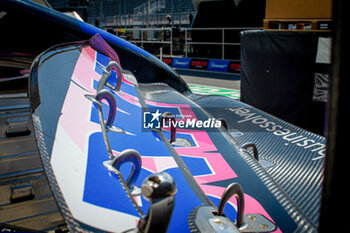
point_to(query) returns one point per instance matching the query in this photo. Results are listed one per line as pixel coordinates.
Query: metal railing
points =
(223, 38)
(222, 43)
(153, 39)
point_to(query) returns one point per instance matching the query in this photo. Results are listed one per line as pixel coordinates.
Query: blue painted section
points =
(218, 65)
(197, 166)
(104, 189)
(181, 62)
(102, 59)
(99, 68)
(102, 62)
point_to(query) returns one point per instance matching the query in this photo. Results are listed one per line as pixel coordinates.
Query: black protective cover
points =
(278, 75)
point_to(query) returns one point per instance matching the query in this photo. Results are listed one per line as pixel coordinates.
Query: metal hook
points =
(251, 145)
(107, 95)
(127, 156)
(129, 187)
(168, 116)
(234, 189)
(102, 82)
(223, 123)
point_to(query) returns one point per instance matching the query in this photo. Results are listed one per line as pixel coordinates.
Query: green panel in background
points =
(208, 90)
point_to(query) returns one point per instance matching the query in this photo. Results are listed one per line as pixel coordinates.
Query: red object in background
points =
(201, 64)
(168, 61)
(234, 67)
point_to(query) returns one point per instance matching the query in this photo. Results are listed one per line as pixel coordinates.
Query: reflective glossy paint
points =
(79, 152)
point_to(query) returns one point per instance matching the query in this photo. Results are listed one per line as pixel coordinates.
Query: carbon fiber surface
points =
(285, 170)
(292, 156)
